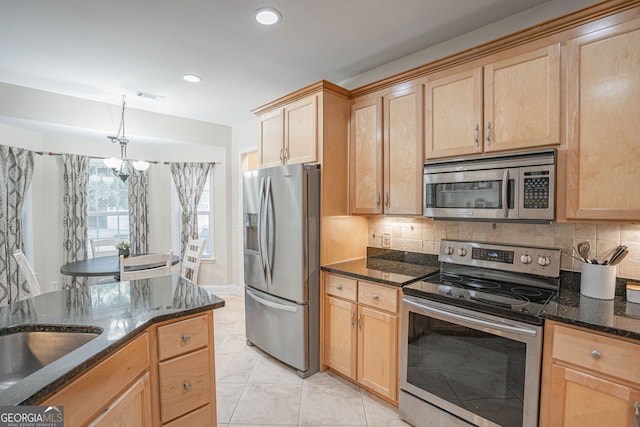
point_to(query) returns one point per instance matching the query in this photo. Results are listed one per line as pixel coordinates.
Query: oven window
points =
(480, 372)
(468, 195)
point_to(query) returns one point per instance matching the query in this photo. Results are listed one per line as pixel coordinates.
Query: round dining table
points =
(102, 266)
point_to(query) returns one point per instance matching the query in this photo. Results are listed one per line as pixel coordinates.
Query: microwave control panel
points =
(536, 190)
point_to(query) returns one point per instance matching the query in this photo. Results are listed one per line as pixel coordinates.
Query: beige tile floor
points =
(254, 389)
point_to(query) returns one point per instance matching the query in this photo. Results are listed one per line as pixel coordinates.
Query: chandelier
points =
(123, 167)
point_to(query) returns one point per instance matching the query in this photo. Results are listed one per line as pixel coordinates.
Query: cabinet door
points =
(583, 400)
(365, 151)
(301, 131)
(378, 351)
(340, 340)
(453, 114)
(403, 152)
(272, 138)
(522, 100)
(603, 127)
(131, 409)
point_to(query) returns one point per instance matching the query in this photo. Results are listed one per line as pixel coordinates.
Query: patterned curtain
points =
(74, 219)
(139, 213)
(189, 179)
(16, 171)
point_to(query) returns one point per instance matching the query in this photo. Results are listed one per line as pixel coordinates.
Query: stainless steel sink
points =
(23, 353)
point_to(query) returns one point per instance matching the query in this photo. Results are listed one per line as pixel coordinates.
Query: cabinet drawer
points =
(182, 337)
(184, 384)
(596, 352)
(378, 296)
(199, 417)
(340, 286)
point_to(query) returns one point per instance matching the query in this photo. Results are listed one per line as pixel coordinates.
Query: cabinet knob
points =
(595, 354)
(186, 337)
(339, 287)
(376, 297)
(187, 385)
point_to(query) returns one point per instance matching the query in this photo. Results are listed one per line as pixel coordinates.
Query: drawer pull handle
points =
(376, 297)
(186, 337)
(187, 385)
(595, 354)
(339, 287)
(636, 418)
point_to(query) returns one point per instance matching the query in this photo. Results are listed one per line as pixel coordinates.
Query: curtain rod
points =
(155, 162)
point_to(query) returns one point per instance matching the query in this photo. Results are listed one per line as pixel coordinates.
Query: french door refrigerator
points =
(281, 210)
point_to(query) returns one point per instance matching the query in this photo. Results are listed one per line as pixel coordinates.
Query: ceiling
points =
(99, 50)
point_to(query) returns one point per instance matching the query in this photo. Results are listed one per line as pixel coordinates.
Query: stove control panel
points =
(516, 258)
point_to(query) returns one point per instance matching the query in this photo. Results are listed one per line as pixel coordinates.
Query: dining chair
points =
(145, 266)
(29, 274)
(191, 260)
(104, 247)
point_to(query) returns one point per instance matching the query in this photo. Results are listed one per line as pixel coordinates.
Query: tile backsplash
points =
(424, 235)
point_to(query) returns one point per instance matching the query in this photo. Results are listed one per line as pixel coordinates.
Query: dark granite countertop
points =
(389, 267)
(616, 316)
(119, 311)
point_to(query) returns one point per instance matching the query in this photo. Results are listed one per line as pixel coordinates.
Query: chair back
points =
(27, 271)
(104, 247)
(145, 266)
(191, 260)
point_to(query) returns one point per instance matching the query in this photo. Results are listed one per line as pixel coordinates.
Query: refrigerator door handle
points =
(262, 246)
(269, 232)
(269, 303)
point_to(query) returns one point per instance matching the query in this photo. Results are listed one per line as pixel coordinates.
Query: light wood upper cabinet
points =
(290, 134)
(301, 131)
(453, 114)
(366, 157)
(403, 152)
(588, 379)
(603, 127)
(508, 104)
(386, 153)
(272, 138)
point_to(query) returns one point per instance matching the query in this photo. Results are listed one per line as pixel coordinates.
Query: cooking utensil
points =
(616, 257)
(584, 249)
(619, 259)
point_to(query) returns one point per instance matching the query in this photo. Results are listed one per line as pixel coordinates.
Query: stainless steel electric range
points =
(472, 336)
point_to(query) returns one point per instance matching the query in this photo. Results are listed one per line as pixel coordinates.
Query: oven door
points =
(478, 367)
(483, 194)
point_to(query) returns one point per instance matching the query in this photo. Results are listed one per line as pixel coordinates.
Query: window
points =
(205, 216)
(108, 203)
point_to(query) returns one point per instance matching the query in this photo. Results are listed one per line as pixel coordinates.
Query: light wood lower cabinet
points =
(131, 409)
(166, 376)
(361, 333)
(589, 379)
(106, 391)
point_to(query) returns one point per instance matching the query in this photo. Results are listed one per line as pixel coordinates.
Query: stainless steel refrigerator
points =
(281, 263)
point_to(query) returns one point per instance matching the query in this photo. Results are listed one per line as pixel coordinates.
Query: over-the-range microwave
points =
(510, 187)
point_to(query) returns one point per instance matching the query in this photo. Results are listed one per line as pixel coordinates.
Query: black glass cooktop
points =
(492, 296)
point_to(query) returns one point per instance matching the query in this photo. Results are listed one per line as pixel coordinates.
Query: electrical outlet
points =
(386, 240)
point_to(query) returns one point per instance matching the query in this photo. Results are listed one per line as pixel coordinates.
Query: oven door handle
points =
(474, 320)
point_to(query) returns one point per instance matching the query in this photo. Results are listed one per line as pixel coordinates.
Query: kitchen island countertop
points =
(118, 311)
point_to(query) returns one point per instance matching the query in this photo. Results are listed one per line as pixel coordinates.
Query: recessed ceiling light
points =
(268, 16)
(192, 78)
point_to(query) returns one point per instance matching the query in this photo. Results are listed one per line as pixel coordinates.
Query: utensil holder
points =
(598, 281)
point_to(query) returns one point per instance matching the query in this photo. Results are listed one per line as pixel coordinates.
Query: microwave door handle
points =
(505, 193)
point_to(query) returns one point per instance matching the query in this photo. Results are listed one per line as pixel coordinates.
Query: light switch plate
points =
(386, 240)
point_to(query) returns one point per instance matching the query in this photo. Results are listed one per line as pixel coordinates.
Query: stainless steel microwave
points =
(511, 187)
